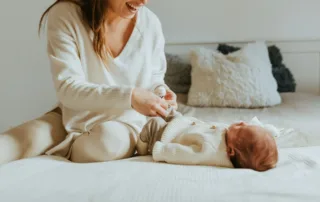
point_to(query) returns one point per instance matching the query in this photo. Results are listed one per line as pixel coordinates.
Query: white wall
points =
(292, 25)
(26, 89)
(25, 85)
(237, 20)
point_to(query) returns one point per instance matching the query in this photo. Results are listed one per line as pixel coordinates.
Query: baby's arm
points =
(185, 149)
(175, 153)
(150, 133)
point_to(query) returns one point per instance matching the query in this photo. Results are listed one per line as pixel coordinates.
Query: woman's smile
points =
(133, 8)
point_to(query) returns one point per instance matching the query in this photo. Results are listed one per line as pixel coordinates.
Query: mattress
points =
(139, 179)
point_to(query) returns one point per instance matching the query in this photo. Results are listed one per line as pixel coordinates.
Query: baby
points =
(179, 139)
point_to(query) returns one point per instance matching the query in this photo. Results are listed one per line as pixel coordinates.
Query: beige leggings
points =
(32, 138)
(108, 141)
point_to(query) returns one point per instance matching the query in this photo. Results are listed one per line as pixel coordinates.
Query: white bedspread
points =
(296, 178)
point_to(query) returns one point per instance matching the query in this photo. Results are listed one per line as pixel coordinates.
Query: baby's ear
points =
(230, 151)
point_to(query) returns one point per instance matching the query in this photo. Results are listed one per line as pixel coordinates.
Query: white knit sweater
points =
(88, 92)
(187, 140)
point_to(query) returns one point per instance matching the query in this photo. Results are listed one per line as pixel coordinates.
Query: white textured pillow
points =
(242, 79)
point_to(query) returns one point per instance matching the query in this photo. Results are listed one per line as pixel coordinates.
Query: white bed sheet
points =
(296, 179)
(298, 111)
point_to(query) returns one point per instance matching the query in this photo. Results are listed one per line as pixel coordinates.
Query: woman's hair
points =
(257, 152)
(94, 14)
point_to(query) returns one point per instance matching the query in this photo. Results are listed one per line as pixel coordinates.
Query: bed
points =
(139, 179)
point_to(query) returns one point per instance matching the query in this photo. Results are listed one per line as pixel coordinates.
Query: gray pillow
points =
(178, 75)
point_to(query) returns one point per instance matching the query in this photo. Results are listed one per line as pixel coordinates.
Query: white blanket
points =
(296, 178)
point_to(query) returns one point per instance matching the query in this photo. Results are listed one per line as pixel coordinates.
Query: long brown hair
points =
(94, 13)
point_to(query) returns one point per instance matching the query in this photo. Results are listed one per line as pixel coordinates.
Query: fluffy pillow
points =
(178, 74)
(284, 77)
(242, 79)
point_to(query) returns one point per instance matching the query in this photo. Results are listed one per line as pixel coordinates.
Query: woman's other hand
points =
(148, 104)
(171, 98)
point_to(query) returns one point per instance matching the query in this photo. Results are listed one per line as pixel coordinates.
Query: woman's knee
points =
(106, 142)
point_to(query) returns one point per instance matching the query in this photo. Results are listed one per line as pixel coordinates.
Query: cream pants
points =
(108, 141)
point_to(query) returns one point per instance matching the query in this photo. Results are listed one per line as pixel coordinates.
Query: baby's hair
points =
(257, 152)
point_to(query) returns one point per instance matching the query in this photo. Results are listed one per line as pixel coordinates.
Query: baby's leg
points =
(32, 138)
(150, 133)
(111, 140)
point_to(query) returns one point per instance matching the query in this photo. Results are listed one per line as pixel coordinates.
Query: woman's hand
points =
(148, 104)
(171, 98)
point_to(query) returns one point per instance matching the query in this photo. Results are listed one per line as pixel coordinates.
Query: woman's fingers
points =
(149, 104)
(173, 104)
(164, 104)
(171, 98)
(161, 111)
(170, 95)
(153, 114)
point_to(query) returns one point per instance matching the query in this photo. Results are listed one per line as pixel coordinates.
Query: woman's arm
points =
(160, 67)
(159, 59)
(73, 91)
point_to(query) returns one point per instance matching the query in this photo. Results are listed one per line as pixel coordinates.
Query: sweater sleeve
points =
(72, 88)
(159, 59)
(179, 153)
(176, 153)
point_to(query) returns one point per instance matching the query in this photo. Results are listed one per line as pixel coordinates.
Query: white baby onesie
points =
(187, 140)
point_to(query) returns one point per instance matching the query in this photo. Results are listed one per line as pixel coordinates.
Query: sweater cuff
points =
(126, 100)
(157, 151)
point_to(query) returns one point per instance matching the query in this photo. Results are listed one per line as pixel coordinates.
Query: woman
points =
(106, 57)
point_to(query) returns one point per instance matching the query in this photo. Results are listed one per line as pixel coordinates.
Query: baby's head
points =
(251, 146)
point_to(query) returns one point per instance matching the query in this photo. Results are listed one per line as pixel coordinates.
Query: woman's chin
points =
(128, 16)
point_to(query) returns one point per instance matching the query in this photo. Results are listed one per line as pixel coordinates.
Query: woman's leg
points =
(32, 138)
(111, 140)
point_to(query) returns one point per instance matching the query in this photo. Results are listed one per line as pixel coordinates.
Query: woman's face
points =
(126, 8)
